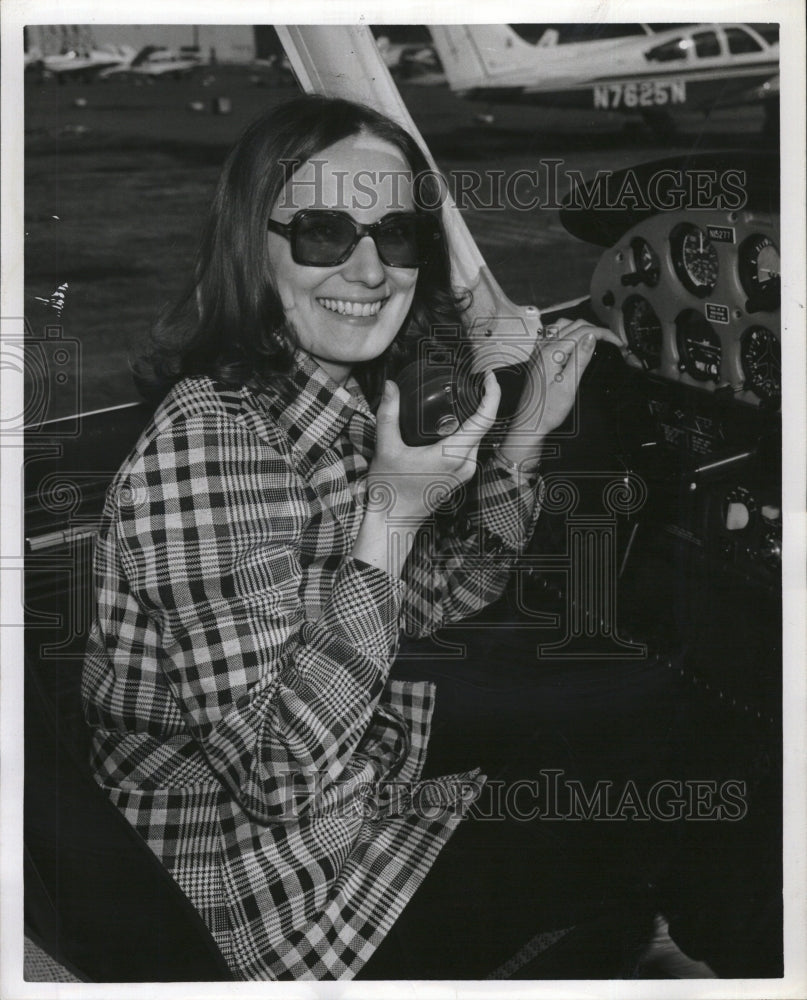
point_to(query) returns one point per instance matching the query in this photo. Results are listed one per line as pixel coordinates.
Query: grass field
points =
(118, 177)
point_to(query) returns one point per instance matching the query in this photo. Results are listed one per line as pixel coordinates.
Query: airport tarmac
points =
(118, 177)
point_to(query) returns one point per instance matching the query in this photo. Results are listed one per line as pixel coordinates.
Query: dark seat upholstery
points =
(96, 898)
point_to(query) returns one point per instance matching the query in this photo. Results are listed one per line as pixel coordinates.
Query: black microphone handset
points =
(440, 391)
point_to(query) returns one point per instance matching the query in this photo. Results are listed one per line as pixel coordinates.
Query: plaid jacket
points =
(236, 677)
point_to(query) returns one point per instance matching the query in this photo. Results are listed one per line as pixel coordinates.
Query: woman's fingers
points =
(554, 380)
(480, 422)
(567, 359)
(387, 416)
(577, 328)
(463, 445)
(556, 356)
(577, 336)
(559, 326)
(446, 452)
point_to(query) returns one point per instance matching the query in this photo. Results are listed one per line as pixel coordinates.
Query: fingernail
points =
(590, 340)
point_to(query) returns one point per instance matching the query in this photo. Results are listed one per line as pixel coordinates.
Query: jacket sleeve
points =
(208, 530)
(463, 559)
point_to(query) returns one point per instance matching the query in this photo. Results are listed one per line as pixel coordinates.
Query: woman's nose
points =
(364, 264)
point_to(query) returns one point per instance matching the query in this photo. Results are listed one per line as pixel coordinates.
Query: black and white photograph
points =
(403, 546)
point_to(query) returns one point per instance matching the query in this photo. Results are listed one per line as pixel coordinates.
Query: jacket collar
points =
(312, 409)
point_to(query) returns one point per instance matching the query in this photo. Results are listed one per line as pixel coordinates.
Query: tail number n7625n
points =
(641, 94)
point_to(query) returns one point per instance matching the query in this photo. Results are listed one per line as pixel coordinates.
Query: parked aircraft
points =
(157, 61)
(696, 66)
(74, 64)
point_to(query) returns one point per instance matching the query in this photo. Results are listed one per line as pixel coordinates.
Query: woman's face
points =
(350, 312)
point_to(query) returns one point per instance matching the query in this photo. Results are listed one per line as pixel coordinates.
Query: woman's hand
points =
(404, 484)
(415, 474)
(555, 369)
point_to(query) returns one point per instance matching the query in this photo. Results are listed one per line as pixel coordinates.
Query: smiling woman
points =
(270, 536)
(250, 291)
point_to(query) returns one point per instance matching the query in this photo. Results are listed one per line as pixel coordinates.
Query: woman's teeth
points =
(346, 308)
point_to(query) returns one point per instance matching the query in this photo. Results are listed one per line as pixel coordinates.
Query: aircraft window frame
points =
(768, 32)
(679, 50)
(735, 32)
(698, 39)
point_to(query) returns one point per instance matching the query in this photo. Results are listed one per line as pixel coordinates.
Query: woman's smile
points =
(354, 308)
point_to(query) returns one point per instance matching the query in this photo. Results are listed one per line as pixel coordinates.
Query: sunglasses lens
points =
(398, 241)
(326, 238)
(321, 239)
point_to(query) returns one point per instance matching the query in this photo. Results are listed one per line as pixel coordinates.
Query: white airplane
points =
(696, 66)
(156, 61)
(76, 65)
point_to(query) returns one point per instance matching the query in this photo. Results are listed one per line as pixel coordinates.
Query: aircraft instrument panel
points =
(695, 298)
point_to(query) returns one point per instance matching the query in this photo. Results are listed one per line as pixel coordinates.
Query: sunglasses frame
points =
(428, 225)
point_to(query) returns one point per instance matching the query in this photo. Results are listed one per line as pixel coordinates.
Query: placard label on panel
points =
(716, 313)
(720, 234)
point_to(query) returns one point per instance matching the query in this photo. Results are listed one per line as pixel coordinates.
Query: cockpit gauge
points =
(699, 348)
(647, 266)
(739, 509)
(694, 258)
(761, 359)
(759, 268)
(643, 330)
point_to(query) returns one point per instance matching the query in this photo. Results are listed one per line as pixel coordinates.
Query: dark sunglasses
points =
(325, 237)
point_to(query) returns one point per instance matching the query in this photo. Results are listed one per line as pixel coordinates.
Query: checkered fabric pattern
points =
(236, 678)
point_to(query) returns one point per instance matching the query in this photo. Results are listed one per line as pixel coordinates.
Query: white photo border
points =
(790, 14)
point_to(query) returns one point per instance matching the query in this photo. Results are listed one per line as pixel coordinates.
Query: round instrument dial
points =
(699, 347)
(759, 267)
(761, 358)
(739, 509)
(645, 261)
(694, 258)
(643, 330)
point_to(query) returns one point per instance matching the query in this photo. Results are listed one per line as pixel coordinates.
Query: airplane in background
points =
(74, 64)
(157, 61)
(696, 66)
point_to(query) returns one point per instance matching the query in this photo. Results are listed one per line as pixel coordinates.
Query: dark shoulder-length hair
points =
(229, 322)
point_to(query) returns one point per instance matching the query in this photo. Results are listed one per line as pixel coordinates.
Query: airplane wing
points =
(165, 69)
(75, 65)
(154, 62)
(766, 91)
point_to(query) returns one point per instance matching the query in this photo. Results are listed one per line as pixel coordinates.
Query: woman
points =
(270, 535)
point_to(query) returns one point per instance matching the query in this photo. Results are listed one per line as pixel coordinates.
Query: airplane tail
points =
(478, 55)
(142, 56)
